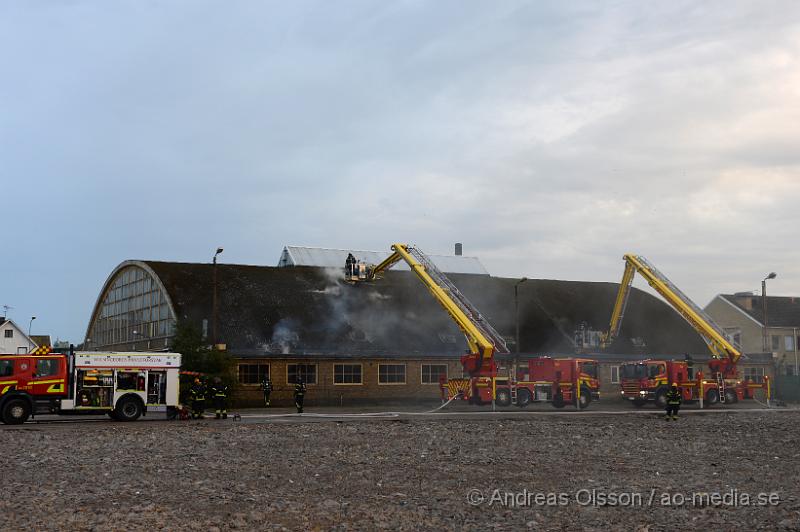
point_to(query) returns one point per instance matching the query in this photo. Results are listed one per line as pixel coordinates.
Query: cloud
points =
(550, 138)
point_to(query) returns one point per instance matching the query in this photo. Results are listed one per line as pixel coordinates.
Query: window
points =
(347, 374)
(391, 373)
(432, 373)
(9, 333)
(754, 374)
(614, 374)
(133, 310)
(589, 368)
(307, 371)
(776, 342)
(6, 368)
(46, 367)
(253, 373)
(734, 335)
(788, 343)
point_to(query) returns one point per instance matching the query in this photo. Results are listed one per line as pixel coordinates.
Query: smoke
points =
(333, 290)
(284, 337)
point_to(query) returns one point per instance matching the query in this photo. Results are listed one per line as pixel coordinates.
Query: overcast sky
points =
(548, 137)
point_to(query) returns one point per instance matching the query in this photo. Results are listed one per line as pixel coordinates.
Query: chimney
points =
(746, 302)
(458, 249)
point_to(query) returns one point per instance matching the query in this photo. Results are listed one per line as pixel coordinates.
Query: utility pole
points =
(214, 303)
(772, 275)
(516, 311)
(516, 322)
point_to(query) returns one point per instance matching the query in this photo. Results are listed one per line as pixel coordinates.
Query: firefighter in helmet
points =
(266, 387)
(299, 394)
(198, 396)
(673, 402)
(219, 395)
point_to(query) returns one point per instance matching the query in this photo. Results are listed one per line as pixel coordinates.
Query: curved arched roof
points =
(310, 310)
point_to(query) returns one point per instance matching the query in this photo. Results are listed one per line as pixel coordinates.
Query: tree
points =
(196, 355)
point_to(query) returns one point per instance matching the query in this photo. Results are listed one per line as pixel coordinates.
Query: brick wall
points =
(326, 392)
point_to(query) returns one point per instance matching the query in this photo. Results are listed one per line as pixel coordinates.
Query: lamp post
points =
(772, 275)
(516, 310)
(135, 333)
(516, 322)
(29, 327)
(214, 303)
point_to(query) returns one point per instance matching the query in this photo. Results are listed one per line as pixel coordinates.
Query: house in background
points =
(13, 339)
(742, 317)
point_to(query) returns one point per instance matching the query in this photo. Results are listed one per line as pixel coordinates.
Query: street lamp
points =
(29, 325)
(516, 309)
(214, 303)
(135, 333)
(772, 275)
(516, 321)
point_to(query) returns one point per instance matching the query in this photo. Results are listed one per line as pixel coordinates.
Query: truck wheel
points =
(523, 397)
(639, 403)
(584, 399)
(128, 409)
(731, 397)
(661, 398)
(712, 397)
(503, 397)
(558, 401)
(16, 411)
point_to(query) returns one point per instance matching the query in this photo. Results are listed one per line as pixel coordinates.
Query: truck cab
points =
(650, 380)
(31, 384)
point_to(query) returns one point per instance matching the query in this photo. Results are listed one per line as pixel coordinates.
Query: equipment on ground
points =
(559, 381)
(648, 380)
(123, 385)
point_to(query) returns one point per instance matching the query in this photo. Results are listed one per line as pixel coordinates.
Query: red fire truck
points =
(123, 385)
(560, 381)
(649, 381)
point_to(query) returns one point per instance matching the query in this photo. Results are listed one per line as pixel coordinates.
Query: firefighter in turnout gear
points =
(673, 402)
(219, 395)
(266, 387)
(198, 395)
(299, 394)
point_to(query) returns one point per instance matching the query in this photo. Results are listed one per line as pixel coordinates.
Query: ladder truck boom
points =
(483, 340)
(723, 351)
(724, 385)
(545, 379)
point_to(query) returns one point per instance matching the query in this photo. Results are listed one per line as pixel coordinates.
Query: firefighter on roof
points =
(198, 395)
(673, 402)
(219, 395)
(299, 394)
(266, 387)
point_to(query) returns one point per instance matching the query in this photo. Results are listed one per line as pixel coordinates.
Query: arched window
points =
(132, 313)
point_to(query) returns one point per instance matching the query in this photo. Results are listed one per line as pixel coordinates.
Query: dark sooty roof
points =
(308, 311)
(781, 311)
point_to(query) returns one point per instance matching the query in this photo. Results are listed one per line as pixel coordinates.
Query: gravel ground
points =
(404, 474)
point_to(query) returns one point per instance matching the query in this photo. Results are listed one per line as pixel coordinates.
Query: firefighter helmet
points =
(674, 384)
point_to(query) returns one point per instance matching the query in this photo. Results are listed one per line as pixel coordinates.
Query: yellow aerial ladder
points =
(725, 354)
(483, 340)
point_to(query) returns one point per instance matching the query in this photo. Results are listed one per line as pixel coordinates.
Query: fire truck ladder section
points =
(482, 338)
(469, 310)
(711, 333)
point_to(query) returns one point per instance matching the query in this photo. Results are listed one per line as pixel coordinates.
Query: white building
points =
(334, 258)
(13, 339)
